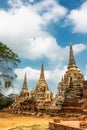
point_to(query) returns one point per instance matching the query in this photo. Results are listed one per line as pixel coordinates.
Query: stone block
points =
(56, 120)
(51, 125)
(81, 118)
(83, 124)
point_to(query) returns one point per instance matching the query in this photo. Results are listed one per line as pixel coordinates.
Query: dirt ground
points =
(8, 121)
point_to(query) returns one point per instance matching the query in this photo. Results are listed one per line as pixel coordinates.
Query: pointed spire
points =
(62, 78)
(25, 82)
(24, 92)
(42, 73)
(71, 57)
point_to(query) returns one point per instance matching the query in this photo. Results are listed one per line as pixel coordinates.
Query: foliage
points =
(67, 90)
(5, 101)
(8, 61)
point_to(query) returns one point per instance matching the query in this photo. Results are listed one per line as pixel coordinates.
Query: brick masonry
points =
(56, 126)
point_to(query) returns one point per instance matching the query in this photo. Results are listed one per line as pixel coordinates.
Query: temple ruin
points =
(38, 98)
(72, 90)
(71, 96)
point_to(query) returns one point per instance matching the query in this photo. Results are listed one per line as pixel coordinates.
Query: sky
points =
(40, 31)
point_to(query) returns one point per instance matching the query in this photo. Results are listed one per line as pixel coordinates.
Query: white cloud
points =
(15, 3)
(11, 91)
(79, 47)
(22, 28)
(31, 1)
(20, 23)
(52, 77)
(45, 47)
(78, 18)
(33, 74)
(55, 75)
(50, 11)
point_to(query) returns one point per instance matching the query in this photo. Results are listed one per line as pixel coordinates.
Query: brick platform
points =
(57, 126)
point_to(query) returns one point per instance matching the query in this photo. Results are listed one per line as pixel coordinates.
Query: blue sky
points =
(40, 31)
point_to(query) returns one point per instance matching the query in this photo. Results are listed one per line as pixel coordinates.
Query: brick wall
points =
(55, 126)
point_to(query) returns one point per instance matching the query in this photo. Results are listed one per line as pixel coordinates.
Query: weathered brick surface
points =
(56, 126)
(56, 120)
(81, 118)
(83, 124)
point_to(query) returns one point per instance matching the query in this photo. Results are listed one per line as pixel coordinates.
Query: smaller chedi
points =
(24, 95)
(42, 94)
(24, 92)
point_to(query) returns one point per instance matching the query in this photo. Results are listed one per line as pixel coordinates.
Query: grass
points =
(33, 127)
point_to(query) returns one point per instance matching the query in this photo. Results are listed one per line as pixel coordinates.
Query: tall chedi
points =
(71, 85)
(42, 92)
(73, 73)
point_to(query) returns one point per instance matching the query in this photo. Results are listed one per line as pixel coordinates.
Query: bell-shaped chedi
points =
(73, 82)
(42, 92)
(72, 72)
(24, 95)
(42, 85)
(71, 85)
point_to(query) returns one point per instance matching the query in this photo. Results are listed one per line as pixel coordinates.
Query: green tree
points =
(8, 61)
(5, 101)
